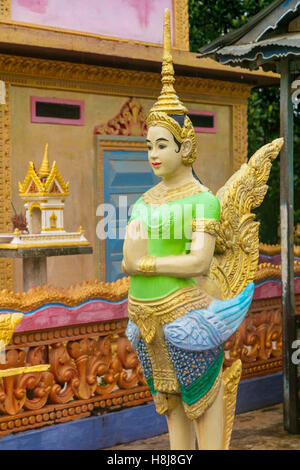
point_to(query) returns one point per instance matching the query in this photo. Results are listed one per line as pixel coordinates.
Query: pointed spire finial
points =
(168, 101)
(45, 169)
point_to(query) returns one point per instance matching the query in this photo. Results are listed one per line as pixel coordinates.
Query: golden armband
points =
(147, 264)
(210, 226)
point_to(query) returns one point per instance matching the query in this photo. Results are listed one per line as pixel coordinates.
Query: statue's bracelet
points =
(147, 264)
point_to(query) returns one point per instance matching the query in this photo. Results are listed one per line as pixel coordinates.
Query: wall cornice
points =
(109, 80)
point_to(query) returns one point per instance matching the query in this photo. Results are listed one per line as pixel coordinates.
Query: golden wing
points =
(8, 323)
(236, 254)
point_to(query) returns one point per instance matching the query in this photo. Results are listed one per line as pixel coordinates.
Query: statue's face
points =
(163, 154)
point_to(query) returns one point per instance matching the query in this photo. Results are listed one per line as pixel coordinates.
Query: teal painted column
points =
(290, 389)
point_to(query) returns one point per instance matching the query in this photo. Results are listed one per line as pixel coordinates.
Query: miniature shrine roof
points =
(46, 182)
(271, 34)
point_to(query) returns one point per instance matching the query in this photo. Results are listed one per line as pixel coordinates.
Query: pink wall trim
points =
(54, 316)
(97, 310)
(211, 130)
(272, 288)
(273, 259)
(49, 120)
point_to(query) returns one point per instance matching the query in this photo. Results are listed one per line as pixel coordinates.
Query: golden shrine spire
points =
(45, 169)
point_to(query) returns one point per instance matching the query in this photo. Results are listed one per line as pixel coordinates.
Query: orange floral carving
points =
(131, 120)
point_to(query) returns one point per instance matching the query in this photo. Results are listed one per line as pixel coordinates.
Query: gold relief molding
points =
(74, 295)
(240, 135)
(267, 271)
(6, 270)
(271, 250)
(181, 24)
(5, 9)
(27, 71)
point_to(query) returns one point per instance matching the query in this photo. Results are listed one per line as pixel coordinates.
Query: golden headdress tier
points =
(45, 169)
(168, 101)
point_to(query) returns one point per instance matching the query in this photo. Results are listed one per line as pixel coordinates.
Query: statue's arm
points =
(196, 263)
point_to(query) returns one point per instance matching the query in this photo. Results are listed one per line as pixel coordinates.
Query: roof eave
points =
(237, 34)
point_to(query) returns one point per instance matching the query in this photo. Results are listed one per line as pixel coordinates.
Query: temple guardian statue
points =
(191, 257)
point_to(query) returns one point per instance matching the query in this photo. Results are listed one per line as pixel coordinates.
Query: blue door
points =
(127, 175)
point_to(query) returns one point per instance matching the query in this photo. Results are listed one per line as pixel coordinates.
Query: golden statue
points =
(191, 257)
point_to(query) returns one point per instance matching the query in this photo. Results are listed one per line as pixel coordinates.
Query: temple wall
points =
(214, 163)
(137, 20)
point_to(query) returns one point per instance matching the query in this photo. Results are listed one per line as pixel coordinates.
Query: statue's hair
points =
(160, 118)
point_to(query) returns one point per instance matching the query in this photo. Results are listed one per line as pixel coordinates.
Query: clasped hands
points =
(135, 247)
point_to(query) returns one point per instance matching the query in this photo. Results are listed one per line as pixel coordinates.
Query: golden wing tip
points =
(17, 317)
(278, 143)
(231, 378)
(234, 371)
(8, 324)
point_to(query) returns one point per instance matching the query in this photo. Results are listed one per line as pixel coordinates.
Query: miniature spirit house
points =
(44, 195)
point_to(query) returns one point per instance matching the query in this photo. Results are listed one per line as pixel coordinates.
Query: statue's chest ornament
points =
(160, 194)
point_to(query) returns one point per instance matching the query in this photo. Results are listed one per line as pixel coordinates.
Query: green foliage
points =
(263, 127)
(210, 19)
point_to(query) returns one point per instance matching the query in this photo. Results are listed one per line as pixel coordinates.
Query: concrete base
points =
(34, 272)
(259, 392)
(92, 433)
(131, 424)
(35, 259)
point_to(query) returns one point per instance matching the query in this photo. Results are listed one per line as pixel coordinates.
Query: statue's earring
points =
(186, 148)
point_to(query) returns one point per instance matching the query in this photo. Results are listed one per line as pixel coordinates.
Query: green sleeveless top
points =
(166, 238)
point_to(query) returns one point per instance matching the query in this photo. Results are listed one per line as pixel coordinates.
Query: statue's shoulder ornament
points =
(206, 217)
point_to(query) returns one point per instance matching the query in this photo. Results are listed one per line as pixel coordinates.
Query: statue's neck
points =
(184, 176)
